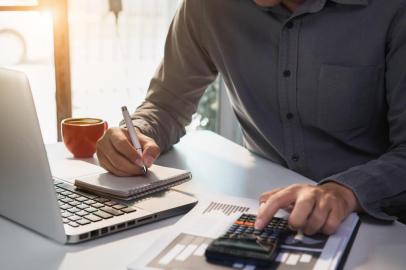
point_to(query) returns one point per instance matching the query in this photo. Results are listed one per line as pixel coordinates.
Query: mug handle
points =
(106, 125)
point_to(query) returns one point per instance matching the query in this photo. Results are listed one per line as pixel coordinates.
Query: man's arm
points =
(380, 182)
(180, 80)
(370, 187)
(172, 98)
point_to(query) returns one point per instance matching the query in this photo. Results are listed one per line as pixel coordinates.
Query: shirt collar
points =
(352, 2)
(314, 5)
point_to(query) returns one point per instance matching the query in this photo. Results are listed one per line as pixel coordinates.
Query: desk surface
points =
(231, 170)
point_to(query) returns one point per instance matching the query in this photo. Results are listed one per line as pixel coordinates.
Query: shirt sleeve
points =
(381, 184)
(181, 79)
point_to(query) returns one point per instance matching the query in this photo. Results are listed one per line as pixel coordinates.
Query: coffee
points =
(83, 121)
(81, 134)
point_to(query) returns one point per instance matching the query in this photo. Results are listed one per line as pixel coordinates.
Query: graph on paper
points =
(226, 209)
(186, 251)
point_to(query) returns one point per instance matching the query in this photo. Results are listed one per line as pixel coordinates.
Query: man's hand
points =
(313, 208)
(117, 155)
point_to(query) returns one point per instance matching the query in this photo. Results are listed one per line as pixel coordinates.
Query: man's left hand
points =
(313, 208)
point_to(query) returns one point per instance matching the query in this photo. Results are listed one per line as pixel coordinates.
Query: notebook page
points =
(127, 186)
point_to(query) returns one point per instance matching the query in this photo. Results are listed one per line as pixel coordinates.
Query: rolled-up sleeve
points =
(381, 184)
(181, 79)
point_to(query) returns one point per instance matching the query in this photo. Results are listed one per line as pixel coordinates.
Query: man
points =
(318, 86)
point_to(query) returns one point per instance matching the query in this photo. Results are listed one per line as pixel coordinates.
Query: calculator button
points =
(257, 232)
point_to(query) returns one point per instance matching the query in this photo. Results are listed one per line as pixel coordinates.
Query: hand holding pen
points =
(117, 152)
(133, 135)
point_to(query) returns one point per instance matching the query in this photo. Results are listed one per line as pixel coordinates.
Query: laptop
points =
(54, 208)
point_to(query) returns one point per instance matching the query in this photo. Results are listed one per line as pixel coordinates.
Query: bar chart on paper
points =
(186, 251)
(226, 209)
(185, 247)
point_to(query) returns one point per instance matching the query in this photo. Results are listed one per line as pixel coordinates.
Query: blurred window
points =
(26, 44)
(18, 2)
(116, 46)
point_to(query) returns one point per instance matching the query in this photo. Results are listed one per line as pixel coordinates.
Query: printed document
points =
(184, 244)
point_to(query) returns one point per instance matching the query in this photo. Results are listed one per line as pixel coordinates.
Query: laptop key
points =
(102, 214)
(110, 203)
(66, 193)
(82, 206)
(74, 203)
(74, 189)
(66, 200)
(101, 199)
(97, 205)
(89, 201)
(73, 196)
(82, 213)
(112, 211)
(65, 206)
(74, 218)
(128, 210)
(119, 206)
(92, 217)
(81, 199)
(65, 220)
(73, 210)
(83, 221)
(73, 224)
(91, 209)
(66, 214)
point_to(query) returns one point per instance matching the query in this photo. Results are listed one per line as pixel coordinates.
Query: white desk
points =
(218, 165)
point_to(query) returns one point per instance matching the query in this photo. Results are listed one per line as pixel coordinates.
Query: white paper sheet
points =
(182, 247)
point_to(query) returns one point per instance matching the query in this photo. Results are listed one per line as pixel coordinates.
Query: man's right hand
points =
(117, 155)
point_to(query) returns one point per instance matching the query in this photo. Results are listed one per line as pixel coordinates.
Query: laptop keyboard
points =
(79, 208)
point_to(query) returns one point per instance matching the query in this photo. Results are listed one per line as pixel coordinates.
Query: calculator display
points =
(242, 243)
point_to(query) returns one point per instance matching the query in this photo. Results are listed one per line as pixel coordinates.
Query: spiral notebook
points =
(158, 178)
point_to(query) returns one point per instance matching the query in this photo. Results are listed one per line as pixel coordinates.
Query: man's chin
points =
(267, 3)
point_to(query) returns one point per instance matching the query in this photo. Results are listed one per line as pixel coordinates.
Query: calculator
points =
(243, 244)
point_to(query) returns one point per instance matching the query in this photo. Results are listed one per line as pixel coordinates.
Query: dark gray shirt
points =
(321, 91)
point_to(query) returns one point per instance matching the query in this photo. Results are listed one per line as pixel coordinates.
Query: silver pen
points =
(133, 134)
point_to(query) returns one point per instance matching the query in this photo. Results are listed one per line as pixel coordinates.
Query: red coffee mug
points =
(81, 134)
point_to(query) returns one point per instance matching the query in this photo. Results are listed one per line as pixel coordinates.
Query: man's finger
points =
(272, 205)
(318, 217)
(121, 142)
(105, 163)
(301, 211)
(265, 196)
(150, 153)
(120, 162)
(332, 223)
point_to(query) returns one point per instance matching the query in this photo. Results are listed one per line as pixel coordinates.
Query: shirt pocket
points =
(346, 96)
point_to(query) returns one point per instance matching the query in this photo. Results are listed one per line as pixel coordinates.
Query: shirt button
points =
(286, 73)
(289, 25)
(295, 158)
(289, 116)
